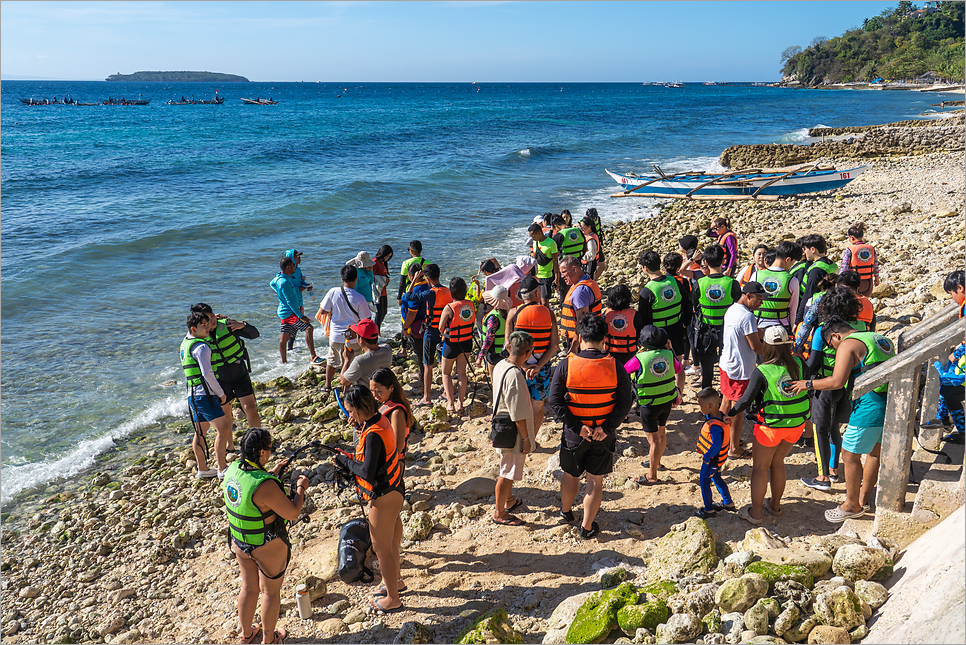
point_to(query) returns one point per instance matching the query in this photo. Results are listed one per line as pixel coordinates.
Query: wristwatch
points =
(808, 385)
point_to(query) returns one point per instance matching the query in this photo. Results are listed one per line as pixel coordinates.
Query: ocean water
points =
(116, 218)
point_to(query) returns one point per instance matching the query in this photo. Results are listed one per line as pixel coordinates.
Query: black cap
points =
(527, 285)
(754, 289)
(688, 242)
(652, 337)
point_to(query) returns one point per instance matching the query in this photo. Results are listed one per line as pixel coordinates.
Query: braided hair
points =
(254, 441)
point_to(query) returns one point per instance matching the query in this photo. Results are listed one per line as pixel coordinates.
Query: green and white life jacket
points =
(780, 406)
(878, 350)
(714, 298)
(655, 379)
(573, 242)
(192, 370)
(226, 347)
(500, 337)
(666, 310)
(245, 521)
(828, 354)
(778, 301)
(825, 264)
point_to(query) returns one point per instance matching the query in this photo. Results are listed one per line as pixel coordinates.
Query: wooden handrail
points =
(929, 325)
(938, 342)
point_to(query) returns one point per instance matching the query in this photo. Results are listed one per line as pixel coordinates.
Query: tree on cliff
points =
(897, 44)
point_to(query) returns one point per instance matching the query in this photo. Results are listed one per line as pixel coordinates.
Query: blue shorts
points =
(205, 408)
(865, 424)
(539, 385)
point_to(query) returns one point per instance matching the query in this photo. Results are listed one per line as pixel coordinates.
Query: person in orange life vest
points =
(860, 256)
(594, 253)
(671, 314)
(435, 298)
(757, 263)
(540, 323)
(851, 281)
(456, 325)
(713, 443)
(379, 480)
(621, 332)
(583, 297)
(721, 230)
(394, 406)
(593, 397)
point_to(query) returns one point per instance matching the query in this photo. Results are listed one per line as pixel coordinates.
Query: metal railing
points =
(933, 338)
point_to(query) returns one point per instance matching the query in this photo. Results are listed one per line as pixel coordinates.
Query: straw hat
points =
(362, 261)
(498, 298)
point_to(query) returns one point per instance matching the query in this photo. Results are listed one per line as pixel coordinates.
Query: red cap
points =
(366, 329)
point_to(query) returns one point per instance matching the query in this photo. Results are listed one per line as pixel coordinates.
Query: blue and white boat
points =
(764, 185)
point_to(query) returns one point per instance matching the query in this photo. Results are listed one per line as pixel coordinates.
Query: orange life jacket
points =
(704, 440)
(591, 388)
(866, 311)
(460, 326)
(568, 315)
(390, 476)
(861, 259)
(443, 298)
(600, 251)
(621, 334)
(746, 275)
(536, 320)
(386, 410)
(727, 255)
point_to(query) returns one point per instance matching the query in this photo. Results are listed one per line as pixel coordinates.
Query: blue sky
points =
(418, 41)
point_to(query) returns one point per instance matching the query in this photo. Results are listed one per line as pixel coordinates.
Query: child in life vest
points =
(951, 374)
(861, 257)
(713, 445)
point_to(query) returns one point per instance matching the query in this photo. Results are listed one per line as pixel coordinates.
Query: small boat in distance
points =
(192, 101)
(123, 101)
(259, 101)
(53, 101)
(755, 183)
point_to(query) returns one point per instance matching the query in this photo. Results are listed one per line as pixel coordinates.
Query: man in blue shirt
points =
(290, 312)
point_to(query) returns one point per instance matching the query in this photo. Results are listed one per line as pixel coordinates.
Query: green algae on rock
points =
(659, 590)
(492, 627)
(598, 615)
(778, 572)
(687, 548)
(649, 615)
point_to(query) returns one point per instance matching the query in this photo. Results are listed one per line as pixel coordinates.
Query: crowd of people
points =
(786, 336)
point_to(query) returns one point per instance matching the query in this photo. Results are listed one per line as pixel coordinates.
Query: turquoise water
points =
(116, 218)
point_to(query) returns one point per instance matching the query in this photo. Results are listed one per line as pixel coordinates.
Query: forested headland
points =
(179, 77)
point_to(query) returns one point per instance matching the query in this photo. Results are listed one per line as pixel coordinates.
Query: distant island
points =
(179, 77)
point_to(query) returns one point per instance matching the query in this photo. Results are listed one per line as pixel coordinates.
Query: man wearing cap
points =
(740, 345)
(545, 252)
(494, 327)
(540, 322)
(357, 369)
(300, 284)
(289, 310)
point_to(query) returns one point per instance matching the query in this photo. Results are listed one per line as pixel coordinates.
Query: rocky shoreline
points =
(137, 553)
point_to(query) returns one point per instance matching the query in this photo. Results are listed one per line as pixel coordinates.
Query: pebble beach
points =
(134, 550)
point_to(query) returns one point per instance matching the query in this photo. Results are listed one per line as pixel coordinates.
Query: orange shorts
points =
(771, 437)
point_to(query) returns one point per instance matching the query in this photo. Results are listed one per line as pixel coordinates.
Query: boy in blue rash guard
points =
(300, 284)
(951, 390)
(713, 444)
(292, 320)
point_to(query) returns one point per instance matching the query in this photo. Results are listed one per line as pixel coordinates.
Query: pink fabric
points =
(509, 277)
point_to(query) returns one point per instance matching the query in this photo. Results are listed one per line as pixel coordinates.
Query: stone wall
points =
(869, 141)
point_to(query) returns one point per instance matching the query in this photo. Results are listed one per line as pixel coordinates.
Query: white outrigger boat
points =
(755, 183)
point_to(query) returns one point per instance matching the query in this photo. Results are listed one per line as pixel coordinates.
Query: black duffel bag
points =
(354, 545)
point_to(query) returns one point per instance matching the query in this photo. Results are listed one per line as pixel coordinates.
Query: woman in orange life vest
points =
(757, 264)
(378, 472)
(721, 229)
(861, 258)
(456, 328)
(621, 333)
(687, 247)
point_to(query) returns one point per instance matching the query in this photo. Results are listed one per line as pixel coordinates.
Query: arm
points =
(756, 386)
(202, 354)
(795, 289)
(591, 253)
(875, 320)
(624, 400)
(444, 319)
(846, 258)
(288, 301)
(808, 324)
(488, 338)
(398, 422)
(558, 393)
(271, 496)
(849, 354)
(717, 438)
(375, 454)
(644, 303)
(756, 343)
(731, 244)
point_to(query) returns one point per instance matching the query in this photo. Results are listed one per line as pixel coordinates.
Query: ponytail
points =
(857, 230)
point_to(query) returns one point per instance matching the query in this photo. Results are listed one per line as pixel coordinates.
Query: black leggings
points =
(828, 410)
(707, 363)
(382, 307)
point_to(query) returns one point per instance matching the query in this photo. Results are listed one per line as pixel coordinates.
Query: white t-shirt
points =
(342, 315)
(737, 356)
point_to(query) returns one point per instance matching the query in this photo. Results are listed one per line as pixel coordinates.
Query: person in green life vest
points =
(494, 327)
(779, 422)
(661, 303)
(781, 303)
(258, 510)
(415, 255)
(205, 395)
(856, 352)
(652, 371)
(544, 251)
(229, 360)
(710, 299)
(815, 247)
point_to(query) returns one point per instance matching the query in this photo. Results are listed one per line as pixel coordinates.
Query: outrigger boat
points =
(259, 102)
(54, 101)
(124, 101)
(755, 183)
(184, 101)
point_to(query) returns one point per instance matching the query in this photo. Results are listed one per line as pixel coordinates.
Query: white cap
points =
(776, 335)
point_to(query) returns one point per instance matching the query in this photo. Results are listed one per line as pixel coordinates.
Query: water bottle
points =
(303, 601)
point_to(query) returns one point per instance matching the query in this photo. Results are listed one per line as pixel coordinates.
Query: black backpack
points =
(354, 545)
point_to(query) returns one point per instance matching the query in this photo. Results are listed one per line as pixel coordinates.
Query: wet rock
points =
(100, 479)
(492, 627)
(839, 608)
(740, 594)
(281, 383)
(858, 562)
(283, 413)
(418, 527)
(871, 592)
(829, 634)
(413, 632)
(687, 548)
(679, 628)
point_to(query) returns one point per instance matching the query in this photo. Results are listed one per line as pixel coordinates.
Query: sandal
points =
(513, 521)
(703, 514)
(837, 515)
(745, 514)
(248, 640)
(771, 511)
(741, 455)
(278, 636)
(517, 503)
(644, 481)
(725, 507)
(382, 593)
(421, 404)
(375, 606)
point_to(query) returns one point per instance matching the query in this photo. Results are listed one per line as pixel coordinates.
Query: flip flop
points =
(644, 481)
(381, 591)
(256, 630)
(375, 606)
(279, 636)
(703, 514)
(513, 521)
(837, 515)
(731, 508)
(745, 514)
(517, 503)
(421, 404)
(741, 455)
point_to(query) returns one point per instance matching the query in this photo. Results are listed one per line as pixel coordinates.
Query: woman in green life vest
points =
(257, 510)
(779, 423)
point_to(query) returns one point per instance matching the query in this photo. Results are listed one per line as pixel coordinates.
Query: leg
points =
(383, 515)
(679, 379)
(537, 416)
(853, 481)
(736, 427)
(248, 593)
(427, 383)
(282, 347)
(823, 454)
(704, 482)
(504, 488)
(761, 458)
(870, 474)
(309, 341)
(251, 411)
(593, 493)
(569, 487)
(447, 369)
(777, 474)
(722, 487)
(461, 379)
(271, 593)
(656, 442)
(223, 428)
(230, 415)
(199, 450)
(707, 363)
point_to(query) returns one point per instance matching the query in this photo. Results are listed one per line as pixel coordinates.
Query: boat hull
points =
(737, 185)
